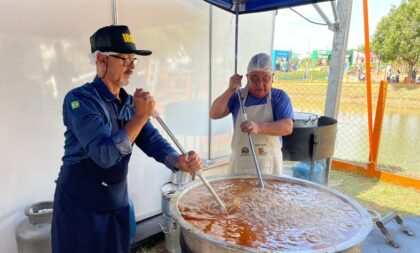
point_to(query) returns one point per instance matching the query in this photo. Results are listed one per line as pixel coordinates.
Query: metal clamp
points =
(381, 225)
(312, 118)
(163, 228)
(172, 220)
(167, 229)
(375, 215)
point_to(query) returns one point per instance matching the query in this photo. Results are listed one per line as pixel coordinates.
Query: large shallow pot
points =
(197, 241)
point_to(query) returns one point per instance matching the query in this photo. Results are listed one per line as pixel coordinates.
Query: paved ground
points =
(155, 244)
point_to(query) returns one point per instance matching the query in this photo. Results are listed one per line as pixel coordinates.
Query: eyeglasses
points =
(127, 61)
(256, 79)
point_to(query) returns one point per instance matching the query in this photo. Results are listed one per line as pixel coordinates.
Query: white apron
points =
(267, 147)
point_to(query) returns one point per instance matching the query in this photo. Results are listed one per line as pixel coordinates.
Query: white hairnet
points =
(260, 62)
(92, 56)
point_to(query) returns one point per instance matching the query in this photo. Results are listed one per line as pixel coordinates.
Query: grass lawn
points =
(379, 196)
(371, 194)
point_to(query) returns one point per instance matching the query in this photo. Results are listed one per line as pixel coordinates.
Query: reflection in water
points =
(400, 134)
(399, 143)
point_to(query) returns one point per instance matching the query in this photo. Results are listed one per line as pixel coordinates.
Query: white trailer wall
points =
(255, 36)
(44, 46)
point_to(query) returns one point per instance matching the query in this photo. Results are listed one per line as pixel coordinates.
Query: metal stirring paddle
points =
(198, 173)
(251, 143)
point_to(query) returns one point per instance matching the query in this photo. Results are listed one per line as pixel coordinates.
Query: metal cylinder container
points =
(170, 228)
(311, 143)
(33, 234)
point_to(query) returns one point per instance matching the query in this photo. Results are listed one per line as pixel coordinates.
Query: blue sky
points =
(300, 36)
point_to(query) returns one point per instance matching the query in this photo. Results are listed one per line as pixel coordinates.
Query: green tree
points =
(361, 48)
(397, 36)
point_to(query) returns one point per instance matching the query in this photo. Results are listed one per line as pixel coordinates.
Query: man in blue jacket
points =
(91, 210)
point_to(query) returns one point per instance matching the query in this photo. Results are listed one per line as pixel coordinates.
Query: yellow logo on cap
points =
(128, 38)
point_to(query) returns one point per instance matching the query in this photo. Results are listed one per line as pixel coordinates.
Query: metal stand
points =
(381, 225)
(393, 238)
(315, 142)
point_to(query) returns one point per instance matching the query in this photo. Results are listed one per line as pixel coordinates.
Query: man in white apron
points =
(270, 115)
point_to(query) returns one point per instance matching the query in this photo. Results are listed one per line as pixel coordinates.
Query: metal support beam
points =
(334, 9)
(322, 14)
(338, 59)
(210, 52)
(273, 31)
(114, 12)
(333, 26)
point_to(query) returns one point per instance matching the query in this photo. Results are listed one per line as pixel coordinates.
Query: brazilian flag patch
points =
(75, 104)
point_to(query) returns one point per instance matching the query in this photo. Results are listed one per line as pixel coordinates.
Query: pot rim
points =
(305, 116)
(366, 222)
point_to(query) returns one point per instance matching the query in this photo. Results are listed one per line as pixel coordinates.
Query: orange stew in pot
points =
(282, 216)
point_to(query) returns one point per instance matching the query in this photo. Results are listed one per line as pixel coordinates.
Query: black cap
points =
(115, 39)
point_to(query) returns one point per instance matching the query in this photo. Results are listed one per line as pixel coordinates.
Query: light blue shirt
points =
(280, 102)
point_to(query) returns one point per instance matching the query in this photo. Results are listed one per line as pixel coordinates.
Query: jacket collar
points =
(106, 94)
